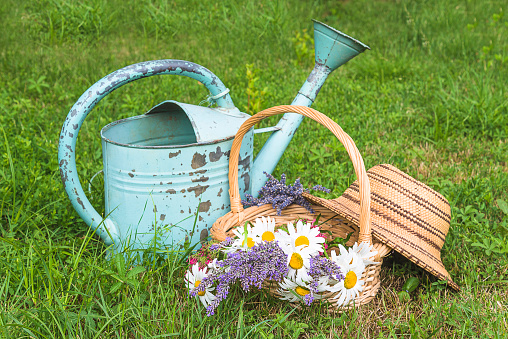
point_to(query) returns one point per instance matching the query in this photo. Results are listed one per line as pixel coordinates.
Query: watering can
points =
(166, 171)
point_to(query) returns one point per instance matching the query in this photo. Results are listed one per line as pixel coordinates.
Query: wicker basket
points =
(338, 226)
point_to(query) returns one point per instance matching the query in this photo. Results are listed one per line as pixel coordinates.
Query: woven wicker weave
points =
(339, 226)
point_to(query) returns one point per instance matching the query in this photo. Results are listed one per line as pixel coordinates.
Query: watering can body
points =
(166, 172)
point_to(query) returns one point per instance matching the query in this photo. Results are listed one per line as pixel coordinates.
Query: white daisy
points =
(365, 251)
(213, 266)
(299, 287)
(298, 261)
(264, 229)
(350, 257)
(352, 267)
(193, 278)
(245, 239)
(303, 235)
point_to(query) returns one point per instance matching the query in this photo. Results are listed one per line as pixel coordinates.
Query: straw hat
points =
(406, 215)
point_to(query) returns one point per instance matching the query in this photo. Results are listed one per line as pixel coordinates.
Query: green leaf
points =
(240, 326)
(120, 264)
(411, 284)
(503, 206)
(133, 282)
(115, 287)
(105, 271)
(135, 271)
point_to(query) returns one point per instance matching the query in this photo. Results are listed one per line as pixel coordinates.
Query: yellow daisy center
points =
(268, 236)
(296, 261)
(302, 291)
(350, 280)
(196, 284)
(302, 240)
(250, 242)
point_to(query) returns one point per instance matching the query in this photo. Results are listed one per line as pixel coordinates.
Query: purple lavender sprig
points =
(226, 243)
(265, 260)
(321, 267)
(280, 195)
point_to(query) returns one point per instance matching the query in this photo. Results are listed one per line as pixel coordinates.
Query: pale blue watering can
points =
(163, 166)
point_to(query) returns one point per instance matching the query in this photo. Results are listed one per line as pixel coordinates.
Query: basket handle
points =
(344, 138)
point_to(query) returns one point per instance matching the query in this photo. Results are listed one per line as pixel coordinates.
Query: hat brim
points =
(406, 215)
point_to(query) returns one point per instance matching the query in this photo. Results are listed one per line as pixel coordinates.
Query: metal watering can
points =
(161, 166)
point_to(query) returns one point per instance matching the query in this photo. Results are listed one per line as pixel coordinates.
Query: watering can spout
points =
(332, 49)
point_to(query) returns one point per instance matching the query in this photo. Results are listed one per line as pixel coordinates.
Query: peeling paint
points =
(215, 156)
(80, 202)
(245, 163)
(162, 217)
(204, 206)
(63, 175)
(246, 181)
(131, 175)
(220, 192)
(198, 190)
(171, 191)
(203, 235)
(198, 160)
(200, 179)
(172, 155)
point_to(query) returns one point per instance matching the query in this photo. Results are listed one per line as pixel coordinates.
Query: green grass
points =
(430, 98)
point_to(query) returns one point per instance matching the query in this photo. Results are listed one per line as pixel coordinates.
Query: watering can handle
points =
(106, 228)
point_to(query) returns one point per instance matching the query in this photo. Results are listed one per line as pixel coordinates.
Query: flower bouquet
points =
(290, 259)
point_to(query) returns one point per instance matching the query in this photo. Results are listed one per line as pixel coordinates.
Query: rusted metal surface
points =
(184, 181)
(109, 229)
